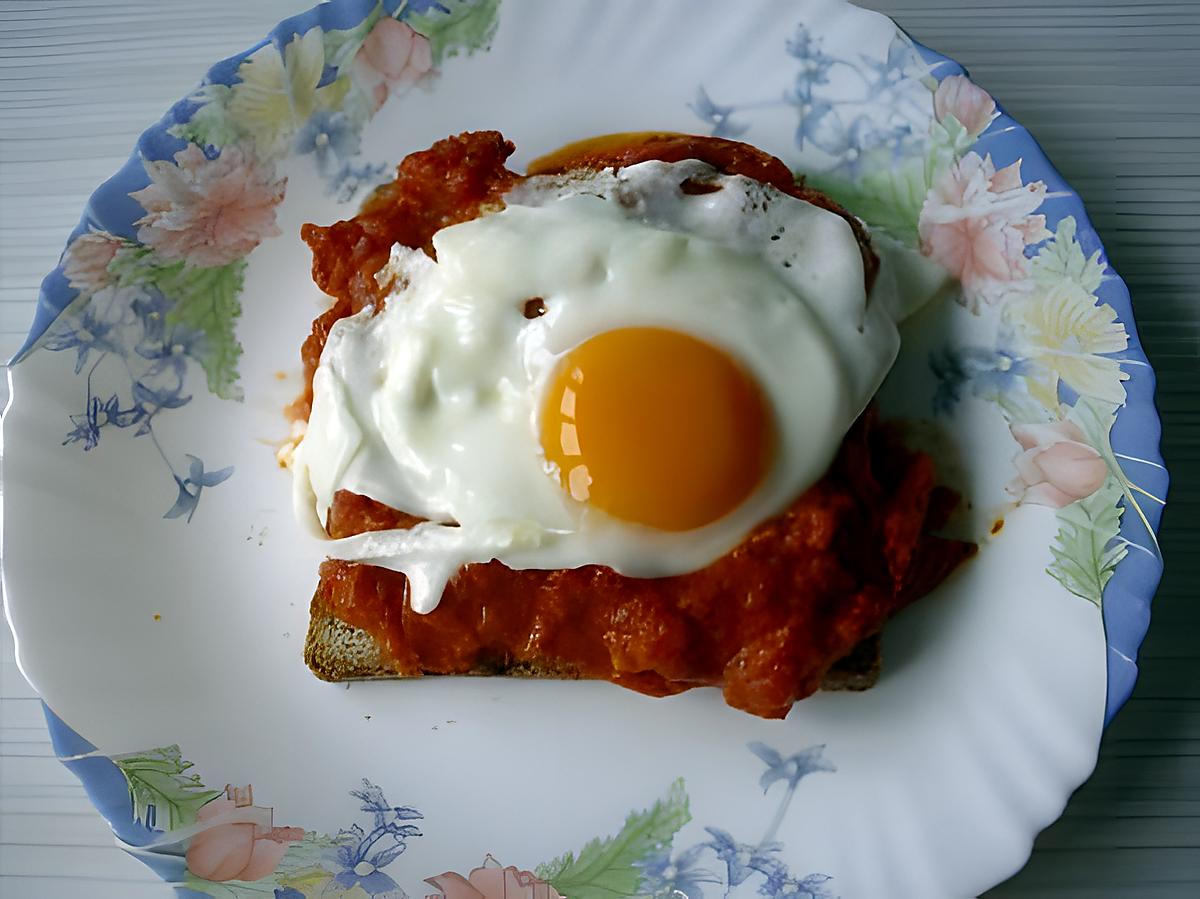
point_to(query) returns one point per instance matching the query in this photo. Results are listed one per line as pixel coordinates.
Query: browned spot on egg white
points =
(535, 307)
(694, 187)
(997, 526)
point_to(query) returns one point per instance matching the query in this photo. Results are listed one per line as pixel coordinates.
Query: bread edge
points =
(337, 652)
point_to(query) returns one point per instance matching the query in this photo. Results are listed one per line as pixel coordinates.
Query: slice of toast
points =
(337, 651)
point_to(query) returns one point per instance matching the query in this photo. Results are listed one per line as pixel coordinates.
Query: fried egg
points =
(611, 370)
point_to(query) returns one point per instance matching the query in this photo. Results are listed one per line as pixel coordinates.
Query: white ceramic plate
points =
(168, 646)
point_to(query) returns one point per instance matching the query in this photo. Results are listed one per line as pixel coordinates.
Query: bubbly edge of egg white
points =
(420, 407)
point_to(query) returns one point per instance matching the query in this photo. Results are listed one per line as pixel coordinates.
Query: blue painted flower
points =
(664, 876)
(742, 859)
(791, 769)
(785, 886)
(989, 374)
(794, 767)
(717, 116)
(815, 65)
(331, 136)
(193, 485)
(821, 125)
(288, 893)
(160, 386)
(360, 855)
(97, 415)
(151, 309)
(105, 324)
(901, 63)
(161, 342)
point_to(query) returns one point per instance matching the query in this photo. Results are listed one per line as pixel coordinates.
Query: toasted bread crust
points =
(336, 651)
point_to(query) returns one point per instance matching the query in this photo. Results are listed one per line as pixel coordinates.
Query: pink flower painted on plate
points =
(492, 881)
(86, 260)
(208, 212)
(241, 848)
(977, 221)
(1057, 466)
(391, 60)
(971, 106)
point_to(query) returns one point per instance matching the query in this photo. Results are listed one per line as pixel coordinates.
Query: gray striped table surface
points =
(1110, 88)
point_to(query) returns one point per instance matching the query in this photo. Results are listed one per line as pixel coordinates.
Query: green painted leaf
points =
(303, 858)
(607, 868)
(156, 778)
(1085, 550)
(1095, 418)
(207, 299)
(552, 870)
(1062, 259)
(885, 197)
(949, 142)
(137, 265)
(211, 124)
(467, 25)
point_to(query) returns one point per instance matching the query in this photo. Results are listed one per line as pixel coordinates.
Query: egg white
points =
(433, 404)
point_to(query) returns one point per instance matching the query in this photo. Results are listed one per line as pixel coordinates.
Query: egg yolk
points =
(656, 427)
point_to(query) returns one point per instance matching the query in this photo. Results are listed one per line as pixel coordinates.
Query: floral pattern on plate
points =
(148, 307)
(219, 843)
(1054, 370)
